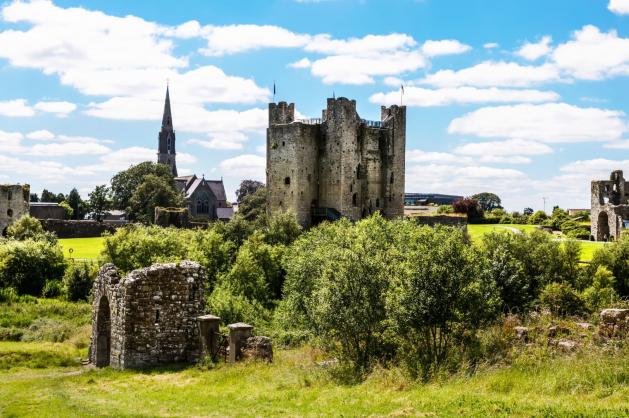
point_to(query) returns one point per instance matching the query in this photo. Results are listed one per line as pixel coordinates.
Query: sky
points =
(526, 99)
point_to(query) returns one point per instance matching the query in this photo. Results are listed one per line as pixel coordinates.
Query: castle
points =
(14, 203)
(339, 165)
(204, 198)
(610, 207)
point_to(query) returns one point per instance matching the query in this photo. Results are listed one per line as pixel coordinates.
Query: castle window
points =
(157, 316)
(287, 180)
(355, 199)
(10, 195)
(10, 213)
(283, 143)
(377, 203)
(391, 180)
(358, 171)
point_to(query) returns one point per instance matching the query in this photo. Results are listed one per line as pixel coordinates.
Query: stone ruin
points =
(14, 203)
(177, 217)
(147, 318)
(614, 323)
(154, 316)
(610, 207)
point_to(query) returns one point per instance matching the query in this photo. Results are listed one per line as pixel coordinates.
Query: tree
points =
(527, 211)
(125, 183)
(47, 196)
(538, 217)
(34, 197)
(487, 201)
(77, 204)
(253, 206)
(246, 188)
(68, 209)
(26, 227)
(99, 201)
(152, 192)
(468, 206)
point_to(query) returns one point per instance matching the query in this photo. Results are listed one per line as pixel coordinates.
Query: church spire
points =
(167, 119)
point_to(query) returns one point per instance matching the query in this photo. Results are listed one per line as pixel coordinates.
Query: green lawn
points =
(295, 386)
(476, 232)
(88, 248)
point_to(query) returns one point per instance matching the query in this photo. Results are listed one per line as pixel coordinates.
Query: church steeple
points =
(166, 153)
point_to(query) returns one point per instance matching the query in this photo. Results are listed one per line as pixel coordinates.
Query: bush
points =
(232, 308)
(601, 293)
(78, 280)
(470, 207)
(573, 229)
(27, 265)
(538, 217)
(561, 299)
(614, 257)
(24, 228)
(52, 289)
(443, 209)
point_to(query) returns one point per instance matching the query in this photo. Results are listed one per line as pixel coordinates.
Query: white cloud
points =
(534, 51)
(15, 108)
(185, 158)
(65, 149)
(503, 148)
(551, 122)
(593, 55)
(60, 109)
(222, 40)
(491, 45)
(41, 135)
(419, 156)
(222, 141)
(623, 144)
(620, 7)
(367, 45)
(245, 166)
(417, 96)
(494, 74)
(302, 63)
(444, 47)
(11, 143)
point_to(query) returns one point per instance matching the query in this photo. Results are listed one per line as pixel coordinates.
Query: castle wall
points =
(339, 162)
(610, 207)
(14, 203)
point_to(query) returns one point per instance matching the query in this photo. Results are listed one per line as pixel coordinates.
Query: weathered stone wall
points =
(14, 203)
(610, 207)
(340, 162)
(79, 229)
(152, 316)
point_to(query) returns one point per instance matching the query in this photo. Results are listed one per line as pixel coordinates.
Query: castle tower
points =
(166, 141)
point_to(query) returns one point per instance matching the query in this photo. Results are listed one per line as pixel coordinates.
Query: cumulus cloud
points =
(444, 47)
(623, 144)
(41, 135)
(551, 122)
(12, 143)
(494, 74)
(231, 39)
(503, 148)
(15, 108)
(245, 166)
(533, 51)
(302, 63)
(60, 109)
(421, 97)
(491, 45)
(222, 141)
(620, 7)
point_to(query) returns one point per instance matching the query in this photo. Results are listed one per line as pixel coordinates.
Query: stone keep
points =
(14, 203)
(339, 165)
(610, 207)
(147, 318)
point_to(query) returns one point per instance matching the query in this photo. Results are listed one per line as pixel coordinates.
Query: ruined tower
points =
(610, 207)
(339, 165)
(166, 141)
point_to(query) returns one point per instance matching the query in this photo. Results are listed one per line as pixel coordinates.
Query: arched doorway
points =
(602, 233)
(103, 333)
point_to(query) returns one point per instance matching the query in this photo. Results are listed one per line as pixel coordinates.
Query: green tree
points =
(99, 201)
(154, 191)
(601, 293)
(253, 206)
(488, 201)
(283, 229)
(527, 211)
(68, 209)
(34, 197)
(47, 196)
(125, 183)
(538, 217)
(77, 204)
(246, 188)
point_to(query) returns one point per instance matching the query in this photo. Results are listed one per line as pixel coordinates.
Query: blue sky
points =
(527, 99)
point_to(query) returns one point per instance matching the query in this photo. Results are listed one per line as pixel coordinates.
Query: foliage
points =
(152, 192)
(27, 265)
(470, 207)
(125, 183)
(47, 196)
(67, 208)
(538, 218)
(283, 229)
(78, 280)
(52, 289)
(77, 204)
(488, 201)
(558, 217)
(601, 293)
(33, 198)
(440, 292)
(253, 206)
(445, 209)
(24, 228)
(99, 201)
(527, 211)
(615, 257)
(561, 299)
(246, 188)
(572, 229)
(233, 307)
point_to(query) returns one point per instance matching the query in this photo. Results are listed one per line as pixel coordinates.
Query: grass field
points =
(295, 386)
(88, 248)
(477, 231)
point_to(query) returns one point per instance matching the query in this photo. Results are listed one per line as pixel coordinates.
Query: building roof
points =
(189, 184)
(44, 204)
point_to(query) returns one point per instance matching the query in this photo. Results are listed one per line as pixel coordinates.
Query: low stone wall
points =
(458, 221)
(177, 217)
(78, 229)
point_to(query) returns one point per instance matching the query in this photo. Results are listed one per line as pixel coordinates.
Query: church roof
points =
(191, 183)
(167, 119)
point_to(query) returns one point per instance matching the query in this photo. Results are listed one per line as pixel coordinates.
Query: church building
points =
(205, 198)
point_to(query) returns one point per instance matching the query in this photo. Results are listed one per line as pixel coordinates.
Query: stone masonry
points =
(610, 207)
(339, 165)
(14, 203)
(147, 318)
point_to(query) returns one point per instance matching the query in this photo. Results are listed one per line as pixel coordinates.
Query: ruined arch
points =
(602, 233)
(103, 333)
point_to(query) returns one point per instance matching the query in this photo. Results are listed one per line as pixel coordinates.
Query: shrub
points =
(561, 299)
(615, 258)
(24, 228)
(27, 265)
(468, 206)
(573, 229)
(601, 293)
(445, 209)
(538, 217)
(232, 307)
(78, 280)
(52, 289)
(283, 229)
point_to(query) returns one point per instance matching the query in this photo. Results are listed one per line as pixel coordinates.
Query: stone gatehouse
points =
(610, 207)
(147, 318)
(14, 203)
